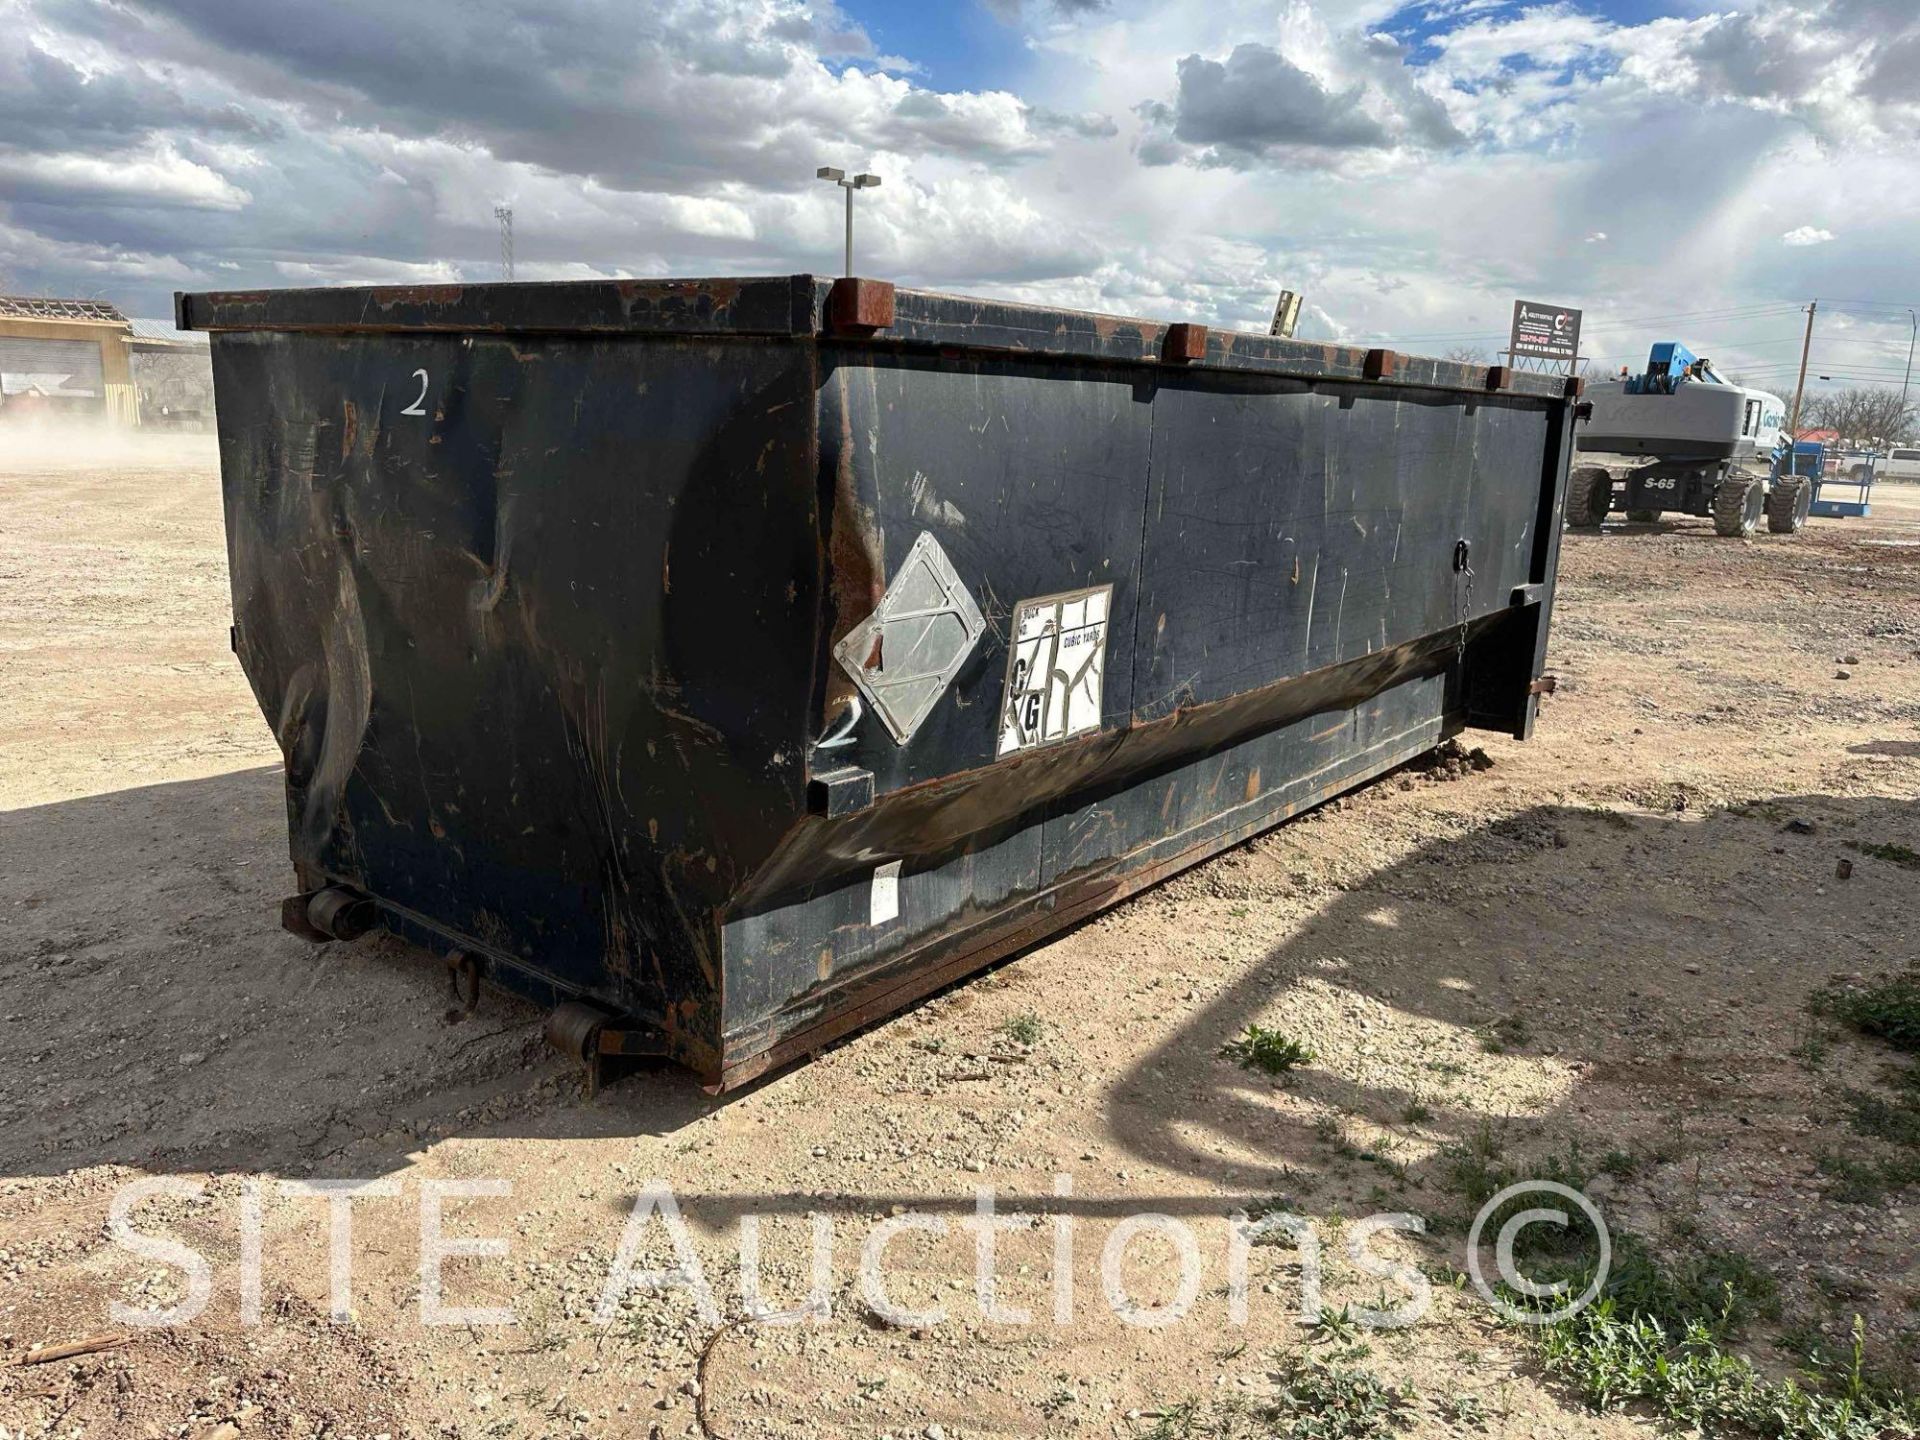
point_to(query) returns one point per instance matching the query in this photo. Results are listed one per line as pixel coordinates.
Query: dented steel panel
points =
(503, 641)
(565, 603)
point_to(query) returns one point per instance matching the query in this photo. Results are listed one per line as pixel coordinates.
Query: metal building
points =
(65, 358)
(172, 375)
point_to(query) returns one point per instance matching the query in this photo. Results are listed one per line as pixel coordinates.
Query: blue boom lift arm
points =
(1669, 366)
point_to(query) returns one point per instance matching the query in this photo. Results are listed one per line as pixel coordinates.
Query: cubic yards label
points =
(1056, 668)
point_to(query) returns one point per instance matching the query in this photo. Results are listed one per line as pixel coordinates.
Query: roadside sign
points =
(1545, 332)
(1286, 314)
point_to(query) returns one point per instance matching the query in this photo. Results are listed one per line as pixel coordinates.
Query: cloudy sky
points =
(1681, 169)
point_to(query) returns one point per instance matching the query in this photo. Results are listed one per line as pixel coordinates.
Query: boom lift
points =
(1714, 448)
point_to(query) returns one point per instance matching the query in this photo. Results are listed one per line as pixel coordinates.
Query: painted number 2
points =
(418, 407)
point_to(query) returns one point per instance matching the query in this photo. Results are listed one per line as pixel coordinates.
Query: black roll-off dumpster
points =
(731, 662)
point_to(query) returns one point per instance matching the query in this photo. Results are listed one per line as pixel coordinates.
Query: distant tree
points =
(1467, 355)
(1861, 414)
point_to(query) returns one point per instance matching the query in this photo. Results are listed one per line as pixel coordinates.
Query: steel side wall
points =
(1288, 622)
(547, 656)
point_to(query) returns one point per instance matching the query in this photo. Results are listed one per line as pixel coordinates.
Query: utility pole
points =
(1912, 335)
(1806, 345)
(849, 184)
(504, 214)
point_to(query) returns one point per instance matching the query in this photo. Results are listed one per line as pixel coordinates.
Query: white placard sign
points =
(1056, 668)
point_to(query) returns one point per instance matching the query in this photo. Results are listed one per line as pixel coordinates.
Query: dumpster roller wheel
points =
(338, 913)
(574, 1029)
(590, 1035)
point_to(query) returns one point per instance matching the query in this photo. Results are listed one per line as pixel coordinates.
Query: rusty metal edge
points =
(797, 307)
(762, 306)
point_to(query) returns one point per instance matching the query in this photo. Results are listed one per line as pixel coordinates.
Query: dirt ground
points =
(1607, 939)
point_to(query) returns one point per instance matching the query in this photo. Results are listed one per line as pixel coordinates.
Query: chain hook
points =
(1463, 605)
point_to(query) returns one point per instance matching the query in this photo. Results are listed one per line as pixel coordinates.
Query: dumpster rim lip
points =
(795, 308)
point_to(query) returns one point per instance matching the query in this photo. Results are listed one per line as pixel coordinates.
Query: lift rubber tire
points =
(1643, 517)
(1589, 496)
(1738, 503)
(1788, 505)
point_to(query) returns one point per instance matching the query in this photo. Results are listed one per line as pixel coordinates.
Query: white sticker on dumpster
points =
(1056, 668)
(885, 902)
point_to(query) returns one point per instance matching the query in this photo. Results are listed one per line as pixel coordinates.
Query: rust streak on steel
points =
(1185, 343)
(857, 305)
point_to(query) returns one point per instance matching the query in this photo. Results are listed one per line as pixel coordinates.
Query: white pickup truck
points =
(1901, 463)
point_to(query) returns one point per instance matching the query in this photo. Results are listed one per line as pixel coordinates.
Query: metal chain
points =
(1463, 606)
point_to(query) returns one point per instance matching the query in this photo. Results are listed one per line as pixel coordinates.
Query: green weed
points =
(1614, 1357)
(1896, 1121)
(1867, 1182)
(1509, 1032)
(1888, 1010)
(1468, 1411)
(1258, 1048)
(1620, 1164)
(1814, 1048)
(1893, 854)
(1024, 1029)
(1181, 1421)
(1334, 1400)
(1336, 1325)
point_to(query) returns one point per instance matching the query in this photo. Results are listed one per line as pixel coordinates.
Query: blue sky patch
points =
(958, 46)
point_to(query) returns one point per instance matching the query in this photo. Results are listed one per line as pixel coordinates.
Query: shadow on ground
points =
(1658, 994)
(153, 1013)
(156, 1016)
(1663, 1009)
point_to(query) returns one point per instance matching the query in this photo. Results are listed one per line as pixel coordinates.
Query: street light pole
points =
(848, 183)
(504, 214)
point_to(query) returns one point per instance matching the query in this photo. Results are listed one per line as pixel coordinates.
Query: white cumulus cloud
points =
(1409, 168)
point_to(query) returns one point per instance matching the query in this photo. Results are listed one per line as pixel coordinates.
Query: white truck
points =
(1707, 446)
(1900, 463)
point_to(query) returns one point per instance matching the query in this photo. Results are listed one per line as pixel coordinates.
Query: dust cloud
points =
(51, 444)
